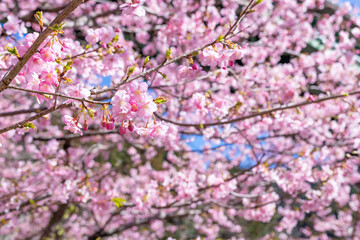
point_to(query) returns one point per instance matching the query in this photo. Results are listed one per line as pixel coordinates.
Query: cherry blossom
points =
(179, 119)
(133, 7)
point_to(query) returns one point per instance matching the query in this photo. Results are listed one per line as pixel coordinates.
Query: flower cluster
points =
(133, 7)
(135, 102)
(104, 35)
(221, 55)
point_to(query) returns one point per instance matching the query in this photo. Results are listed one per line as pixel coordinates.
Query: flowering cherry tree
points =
(179, 119)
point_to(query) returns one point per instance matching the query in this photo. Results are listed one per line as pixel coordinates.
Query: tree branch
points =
(30, 110)
(56, 94)
(260, 113)
(73, 136)
(37, 116)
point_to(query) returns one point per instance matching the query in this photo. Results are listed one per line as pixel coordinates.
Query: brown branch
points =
(56, 94)
(37, 116)
(24, 204)
(241, 17)
(81, 54)
(73, 136)
(30, 110)
(5, 82)
(101, 233)
(30, 16)
(55, 218)
(260, 113)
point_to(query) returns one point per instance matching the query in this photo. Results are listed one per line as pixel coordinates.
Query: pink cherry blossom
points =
(121, 103)
(48, 54)
(133, 7)
(201, 120)
(93, 36)
(50, 76)
(158, 130)
(146, 107)
(14, 25)
(78, 91)
(72, 125)
(106, 34)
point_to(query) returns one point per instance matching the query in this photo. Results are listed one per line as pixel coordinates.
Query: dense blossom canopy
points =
(179, 119)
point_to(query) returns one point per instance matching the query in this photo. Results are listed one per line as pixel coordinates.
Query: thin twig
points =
(56, 94)
(260, 113)
(37, 116)
(17, 112)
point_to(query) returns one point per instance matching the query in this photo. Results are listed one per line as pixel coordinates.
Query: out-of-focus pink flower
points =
(209, 57)
(93, 36)
(133, 7)
(14, 25)
(158, 130)
(106, 34)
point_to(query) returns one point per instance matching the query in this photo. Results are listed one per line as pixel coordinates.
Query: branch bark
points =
(260, 113)
(13, 113)
(37, 116)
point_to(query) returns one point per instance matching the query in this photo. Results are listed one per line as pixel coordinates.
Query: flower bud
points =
(131, 127)
(195, 66)
(103, 123)
(311, 98)
(122, 129)
(110, 126)
(134, 107)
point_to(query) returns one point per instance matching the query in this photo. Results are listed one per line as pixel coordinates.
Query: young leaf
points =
(29, 125)
(118, 201)
(221, 38)
(160, 100)
(168, 53)
(147, 59)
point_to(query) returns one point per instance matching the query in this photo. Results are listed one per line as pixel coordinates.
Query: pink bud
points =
(122, 129)
(231, 63)
(195, 66)
(85, 126)
(110, 126)
(131, 127)
(103, 45)
(134, 107)
(311, 98)
(103, 123)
